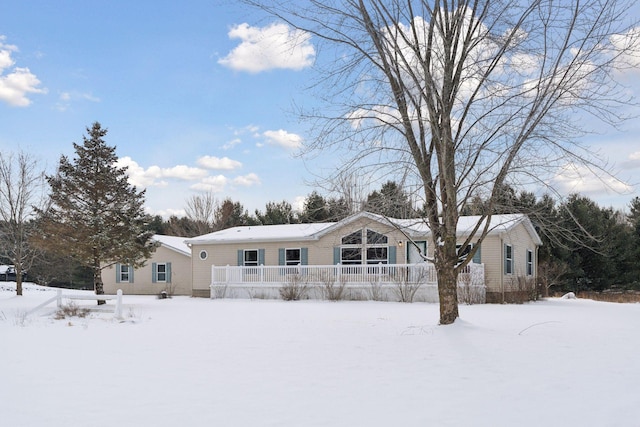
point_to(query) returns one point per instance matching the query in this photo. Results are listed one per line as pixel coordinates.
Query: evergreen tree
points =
(95, 216)
(316, 209)
(277, 213)
(391, 201)
(590, 262)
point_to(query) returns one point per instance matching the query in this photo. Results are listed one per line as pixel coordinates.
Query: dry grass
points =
(611, 296)
(71, 310)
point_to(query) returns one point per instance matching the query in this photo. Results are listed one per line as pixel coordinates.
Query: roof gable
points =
(175, 243)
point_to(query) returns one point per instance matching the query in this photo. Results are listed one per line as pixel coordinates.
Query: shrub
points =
(375, 291)
(71, 310)
(295, 288)
(331, 290)
(468, 292)
(407, 285)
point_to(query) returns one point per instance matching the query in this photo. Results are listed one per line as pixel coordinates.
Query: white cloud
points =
(153, 175)
(265, 48)
(182, 172)
(629, 44)
(580, 179)
(231, 143)
(166, 213)
(247, 180)
(211, 183)
(16, 84)
(283, 138)
(224, 163)
(65, 99)
(298, 203)
(632, 162)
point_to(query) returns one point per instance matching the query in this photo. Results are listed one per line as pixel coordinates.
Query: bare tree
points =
(201, 210)
(21, 188)
(465, 95)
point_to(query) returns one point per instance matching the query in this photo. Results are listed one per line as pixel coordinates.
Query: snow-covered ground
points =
(200, 362)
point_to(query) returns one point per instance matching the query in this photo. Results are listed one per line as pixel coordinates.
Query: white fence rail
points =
(87, 297)
(260, 279)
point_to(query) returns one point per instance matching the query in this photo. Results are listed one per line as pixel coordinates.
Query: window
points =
(203, 255)
(250, 258)
(529, 262)
(354, 238)
(375, 238)
(377, 255)
(124, 274)
(161, 272)
(364, 247)
(463, 254)
(351, 256)
(508, 259)
(292, 257)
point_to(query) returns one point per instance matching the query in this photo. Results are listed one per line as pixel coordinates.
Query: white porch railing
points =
(352, 276)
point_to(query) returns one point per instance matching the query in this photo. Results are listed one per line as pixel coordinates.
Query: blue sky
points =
(188, 103)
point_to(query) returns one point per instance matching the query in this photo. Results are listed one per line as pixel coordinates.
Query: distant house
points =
(364, 250)
(8, 273)
(169, 270)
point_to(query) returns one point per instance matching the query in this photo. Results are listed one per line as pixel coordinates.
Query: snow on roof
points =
(499, 224)
(173, 242)
(296, 232)
(262, 233)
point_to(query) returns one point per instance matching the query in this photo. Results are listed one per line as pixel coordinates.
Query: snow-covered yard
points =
(200, 362)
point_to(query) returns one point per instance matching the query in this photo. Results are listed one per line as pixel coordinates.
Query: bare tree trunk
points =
(446, 260)
(18, 280)
(448, 294)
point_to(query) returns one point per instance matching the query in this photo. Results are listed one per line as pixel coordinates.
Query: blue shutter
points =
(260, 256)
(118, 273)
(504, 256)
(154, 272)
(240, 257)
(130, 273)
(392, 255)
(168, 268)
(336, 255)
(280, 256)
(304, 256)
(477, 257)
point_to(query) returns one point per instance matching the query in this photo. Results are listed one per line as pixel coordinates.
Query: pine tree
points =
(95, 216)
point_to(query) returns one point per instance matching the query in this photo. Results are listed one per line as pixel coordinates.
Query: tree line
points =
(585, 246)
(64, 228)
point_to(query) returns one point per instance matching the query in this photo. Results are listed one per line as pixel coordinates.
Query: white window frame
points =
(292, 261)
(364, 252)
(125, 273)
(158, 272)
(246, 263)
(529, 261)
(508, 259)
